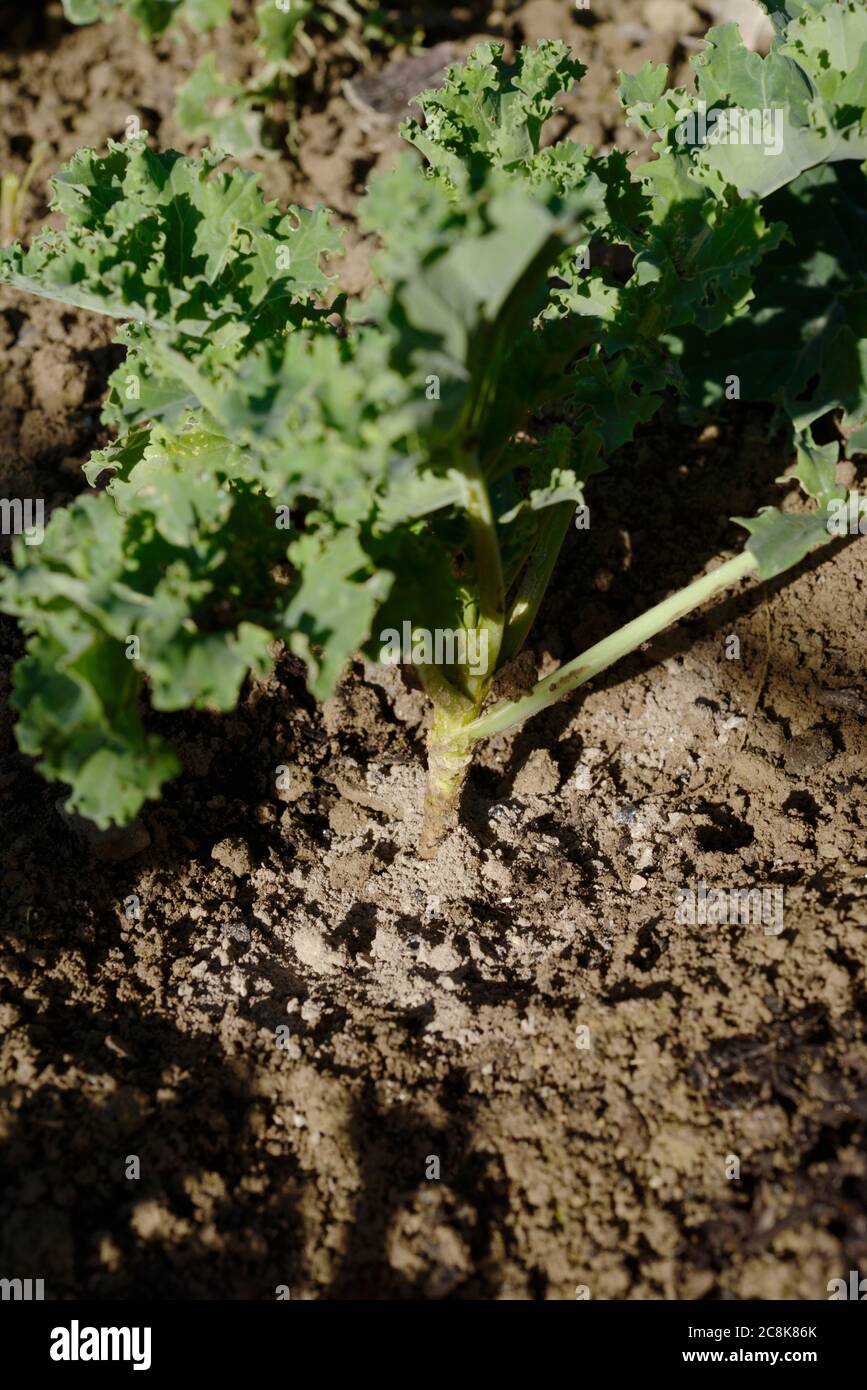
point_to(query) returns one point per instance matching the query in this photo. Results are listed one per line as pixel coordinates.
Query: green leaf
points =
(558, 469)
(816, 468)
(278, 28)
(829, 44)
(727, 72)
(331, 612)
(786, 113)
(618, 395)
(649, 102)
(202, 266)
(152, 16)
(491, 110)
(212, 105)
(802, 340)
(467, 283)
(65, 717)
(780, 540)
(165, 589)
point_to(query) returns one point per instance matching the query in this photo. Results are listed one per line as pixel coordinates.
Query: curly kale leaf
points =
(783, 153)
(162, 239)
(761, 122)
(802, 340)
(491, 110)
(198, 262)
(171, 585)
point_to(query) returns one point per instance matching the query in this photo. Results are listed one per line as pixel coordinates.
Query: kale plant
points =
(380, 475)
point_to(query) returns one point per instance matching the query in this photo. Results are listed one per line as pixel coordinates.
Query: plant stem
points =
(489, 570)
(535, 579)
(449, 752)
(445, 696)
(599, 657)
(458, 725)
(449, 756)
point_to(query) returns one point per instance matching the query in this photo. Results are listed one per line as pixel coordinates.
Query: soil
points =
(508, 1073)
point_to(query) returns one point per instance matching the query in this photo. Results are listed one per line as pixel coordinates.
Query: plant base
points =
(450, 753)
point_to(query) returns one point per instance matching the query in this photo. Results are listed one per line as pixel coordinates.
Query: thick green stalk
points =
(449, 754)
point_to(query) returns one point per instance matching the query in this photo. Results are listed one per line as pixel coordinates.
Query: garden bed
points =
(525, 1009)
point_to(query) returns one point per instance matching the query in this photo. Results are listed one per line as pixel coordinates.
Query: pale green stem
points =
(455, 729)
(535, 579)
(449, 752)
(443, 694)
(489, 571)
(599, 657)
